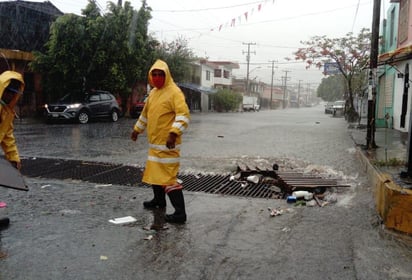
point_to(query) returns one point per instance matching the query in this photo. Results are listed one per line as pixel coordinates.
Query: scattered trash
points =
(149, 237)
(3, 204)
(286, 229)
(220, 136)
(45, 186)
(244, 185)
(275, 212)
(291, 199)
(104, 258)
(303, 194)
(275, 189)
(103, 185)
(123, 220)
(253, 178)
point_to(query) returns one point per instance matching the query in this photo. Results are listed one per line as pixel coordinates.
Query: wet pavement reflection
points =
(60, 229)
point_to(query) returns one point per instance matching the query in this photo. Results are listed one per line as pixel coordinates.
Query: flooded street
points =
(60, 229)
(305, 134)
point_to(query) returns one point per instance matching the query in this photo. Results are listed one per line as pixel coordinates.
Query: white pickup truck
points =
(250, 103)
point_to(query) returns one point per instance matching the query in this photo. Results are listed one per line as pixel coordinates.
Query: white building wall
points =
(222, 80)
(204, 82)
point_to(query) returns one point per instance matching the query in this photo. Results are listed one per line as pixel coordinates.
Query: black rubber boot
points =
(159, 200)
(178, 202)
(4, 223)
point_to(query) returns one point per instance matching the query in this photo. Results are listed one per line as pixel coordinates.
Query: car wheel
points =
(114, 116)
(83, 117)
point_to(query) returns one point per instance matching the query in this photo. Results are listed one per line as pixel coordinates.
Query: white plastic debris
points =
(253, 179)
(303, 194)
(123, 220)
(149, 237)
(103, 185)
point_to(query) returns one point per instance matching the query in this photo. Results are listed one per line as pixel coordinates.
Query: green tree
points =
(350, 53)
(110, 51)
(226, 100)
(332, 88)
(178, 56)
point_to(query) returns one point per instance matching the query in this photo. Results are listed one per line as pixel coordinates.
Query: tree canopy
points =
(351, 55)
(111, 51)
(332, 88)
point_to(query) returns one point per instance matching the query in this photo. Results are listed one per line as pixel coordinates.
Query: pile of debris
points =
(296, 187)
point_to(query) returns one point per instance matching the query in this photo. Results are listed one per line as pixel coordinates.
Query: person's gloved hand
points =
(134, 135)
(171, 140)
(16, 164)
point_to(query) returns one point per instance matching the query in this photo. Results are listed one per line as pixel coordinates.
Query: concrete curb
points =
(393, 203)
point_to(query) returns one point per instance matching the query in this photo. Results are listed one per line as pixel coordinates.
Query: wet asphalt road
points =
(60, 229)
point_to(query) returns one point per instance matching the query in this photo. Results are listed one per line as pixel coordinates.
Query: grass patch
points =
(390, 162)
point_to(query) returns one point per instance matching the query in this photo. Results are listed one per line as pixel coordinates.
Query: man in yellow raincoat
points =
(165, 116)
(11, 89)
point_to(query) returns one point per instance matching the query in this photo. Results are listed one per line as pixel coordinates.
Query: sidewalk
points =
(384, 165)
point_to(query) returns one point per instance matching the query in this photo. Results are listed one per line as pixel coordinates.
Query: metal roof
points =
(198, 88)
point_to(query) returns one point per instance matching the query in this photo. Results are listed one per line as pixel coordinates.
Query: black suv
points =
(82, 107)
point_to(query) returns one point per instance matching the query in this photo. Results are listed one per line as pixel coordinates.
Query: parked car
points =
(328, 108)
(137, 107)
(338, 107)
(82, 107)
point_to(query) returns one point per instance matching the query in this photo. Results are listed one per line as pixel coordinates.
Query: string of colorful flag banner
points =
(245, 16)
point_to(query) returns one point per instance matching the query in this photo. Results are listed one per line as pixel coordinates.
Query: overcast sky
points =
(221, 30)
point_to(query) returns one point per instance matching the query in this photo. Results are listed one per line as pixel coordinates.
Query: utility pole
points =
(299, 93)
(285, 87)
(373, 78)
(248, 61)
(271, 84)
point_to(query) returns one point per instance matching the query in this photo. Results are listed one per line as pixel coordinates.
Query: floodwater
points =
(60, 229)
(305, 134)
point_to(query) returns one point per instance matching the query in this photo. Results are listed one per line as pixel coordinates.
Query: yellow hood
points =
(5, 79)
(161, 65)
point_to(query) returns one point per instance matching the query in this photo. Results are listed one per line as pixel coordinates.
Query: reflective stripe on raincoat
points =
(7, 114)
(165, 111)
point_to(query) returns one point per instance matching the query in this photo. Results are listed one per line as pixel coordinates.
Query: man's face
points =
(8, 96)
(158, 78)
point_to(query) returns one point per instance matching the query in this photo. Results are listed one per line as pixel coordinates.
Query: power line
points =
(208, 9)
(356, 15)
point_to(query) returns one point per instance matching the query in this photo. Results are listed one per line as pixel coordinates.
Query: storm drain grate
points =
(96, 172)
(108, 173)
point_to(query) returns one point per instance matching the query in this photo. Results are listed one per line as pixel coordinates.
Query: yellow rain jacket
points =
(165, 111)
(7, 114)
